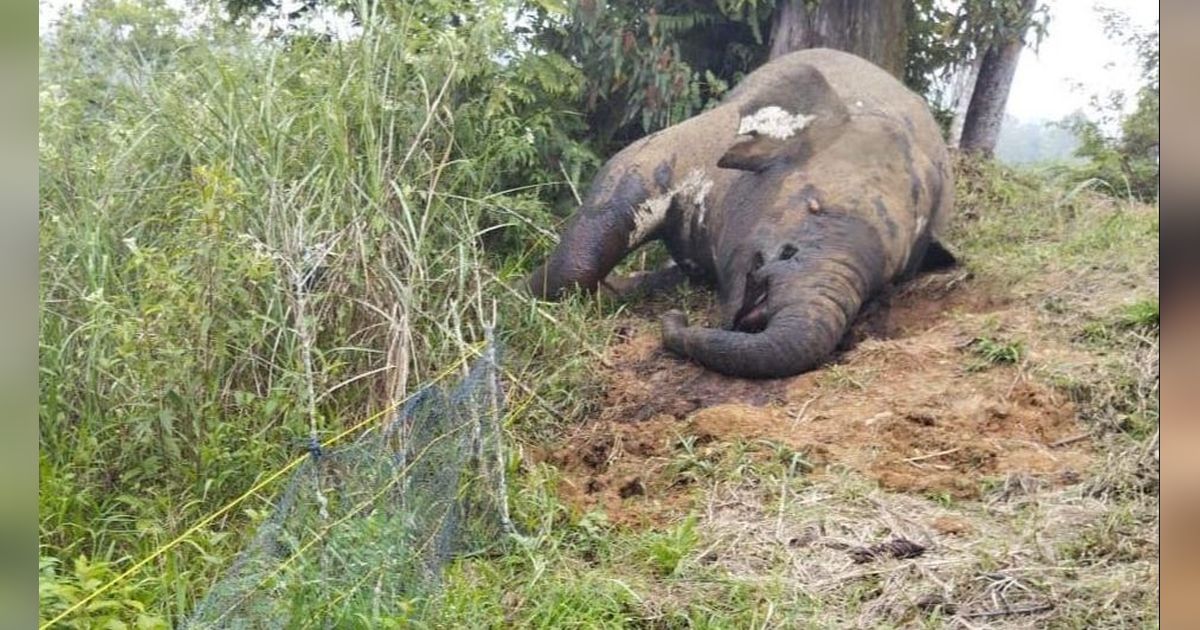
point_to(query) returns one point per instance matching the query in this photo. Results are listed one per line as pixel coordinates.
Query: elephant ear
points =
(788, 117)
(753, 153)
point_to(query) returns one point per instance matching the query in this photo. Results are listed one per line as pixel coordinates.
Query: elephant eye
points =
(788, 252)
(758, 261)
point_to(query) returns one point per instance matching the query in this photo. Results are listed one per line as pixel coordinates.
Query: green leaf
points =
(553, 7)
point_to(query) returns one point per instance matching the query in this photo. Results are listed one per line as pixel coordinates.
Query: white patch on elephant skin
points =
(774, 121)
(693, 191)
(699, 190)
(651, 213)
(698, 198)
(647, 216)
(920, 226)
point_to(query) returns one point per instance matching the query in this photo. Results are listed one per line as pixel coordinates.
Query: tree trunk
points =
(985, 115)
(964, 87)
(874, 30)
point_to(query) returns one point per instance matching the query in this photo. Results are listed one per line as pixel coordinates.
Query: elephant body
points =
(819, 180)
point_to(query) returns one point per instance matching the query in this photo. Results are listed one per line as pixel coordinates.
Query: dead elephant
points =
(817, 182)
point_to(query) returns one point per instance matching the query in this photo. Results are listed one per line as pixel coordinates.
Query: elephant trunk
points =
(584, 255)
(812, 300)
(798, 339)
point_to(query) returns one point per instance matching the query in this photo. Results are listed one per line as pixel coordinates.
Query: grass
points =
(1140, 314)
(989, 352)
(667, 550)
(841, 377)
(181, 361)
(248, 244)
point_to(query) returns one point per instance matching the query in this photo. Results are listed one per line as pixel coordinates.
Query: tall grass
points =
(245, 241)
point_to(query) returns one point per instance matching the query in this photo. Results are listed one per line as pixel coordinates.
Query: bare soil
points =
(904, 403)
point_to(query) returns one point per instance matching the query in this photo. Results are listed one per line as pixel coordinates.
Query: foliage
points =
(1009, 239)
(945, 40)
(647, 64)
(666, 550)
(650, 63)
(242, 241)
(978, 24)
(929, 52)
(1142, 314)
(1121, 148)
(295, 8)
(60, 587)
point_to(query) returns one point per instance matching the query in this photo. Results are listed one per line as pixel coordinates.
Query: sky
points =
(1075, 50)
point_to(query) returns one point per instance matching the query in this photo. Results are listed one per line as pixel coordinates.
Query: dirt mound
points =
(902, 404)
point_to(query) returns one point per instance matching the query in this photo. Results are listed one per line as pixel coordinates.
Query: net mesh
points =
(362, 531)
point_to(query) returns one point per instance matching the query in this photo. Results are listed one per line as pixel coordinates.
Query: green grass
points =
(1016, 225)
(667, 550)
(989, 352)
(1140, 314)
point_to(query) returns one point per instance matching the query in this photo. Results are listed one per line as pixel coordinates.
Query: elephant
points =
(816, 183)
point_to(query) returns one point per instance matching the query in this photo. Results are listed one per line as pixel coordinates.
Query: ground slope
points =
(981, 453)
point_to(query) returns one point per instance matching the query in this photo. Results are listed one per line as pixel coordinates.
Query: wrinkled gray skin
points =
(819, 180)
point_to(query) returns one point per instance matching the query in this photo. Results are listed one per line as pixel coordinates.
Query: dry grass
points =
(1007, 560)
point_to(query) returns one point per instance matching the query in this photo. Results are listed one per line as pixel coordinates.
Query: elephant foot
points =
(643, 283)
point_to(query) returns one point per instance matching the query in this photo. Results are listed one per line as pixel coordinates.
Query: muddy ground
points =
(907, 402)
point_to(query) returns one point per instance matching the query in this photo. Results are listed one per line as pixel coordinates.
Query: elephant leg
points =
(644, 283)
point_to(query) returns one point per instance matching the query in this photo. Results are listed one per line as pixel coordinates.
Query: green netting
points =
(362, 531)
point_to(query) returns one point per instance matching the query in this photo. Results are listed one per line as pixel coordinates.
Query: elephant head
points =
(803, 288)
